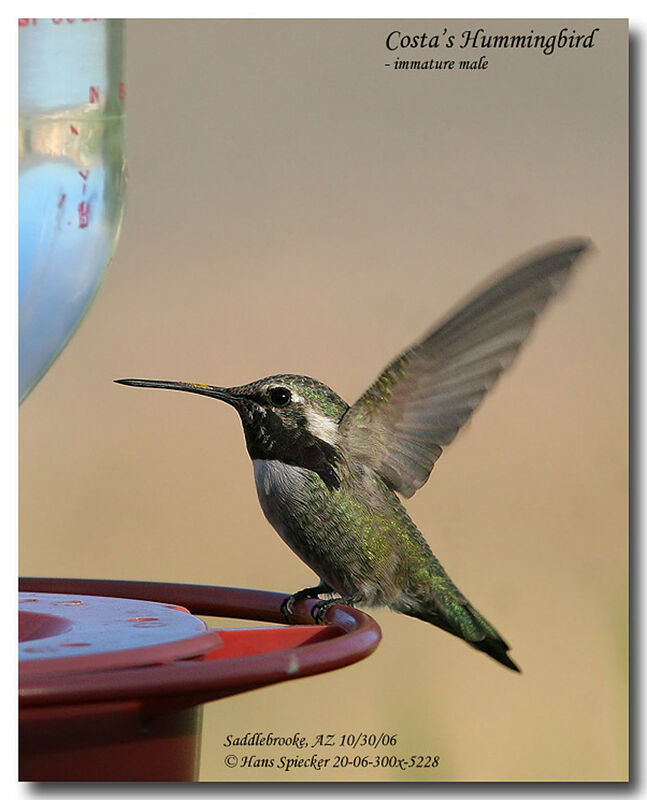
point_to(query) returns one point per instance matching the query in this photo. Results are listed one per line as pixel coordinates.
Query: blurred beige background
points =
(295, 206)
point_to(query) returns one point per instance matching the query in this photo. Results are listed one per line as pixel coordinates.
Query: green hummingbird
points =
(328, 475)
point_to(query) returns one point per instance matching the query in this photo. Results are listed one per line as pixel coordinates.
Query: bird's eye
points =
(280, 396)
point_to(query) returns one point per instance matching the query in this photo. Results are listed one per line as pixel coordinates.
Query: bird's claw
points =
(320, 609)
(287, 606)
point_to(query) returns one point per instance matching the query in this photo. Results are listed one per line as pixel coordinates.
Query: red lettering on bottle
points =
(84, 213)
(94, 94)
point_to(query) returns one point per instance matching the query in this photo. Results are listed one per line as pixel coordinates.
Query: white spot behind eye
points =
(321, 426)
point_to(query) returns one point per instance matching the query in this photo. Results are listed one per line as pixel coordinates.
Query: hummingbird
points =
(329, 476)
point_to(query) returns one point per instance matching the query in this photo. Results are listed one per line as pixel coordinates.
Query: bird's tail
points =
(449, 610)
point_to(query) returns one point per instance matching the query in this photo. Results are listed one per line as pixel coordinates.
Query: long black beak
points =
(182, 386)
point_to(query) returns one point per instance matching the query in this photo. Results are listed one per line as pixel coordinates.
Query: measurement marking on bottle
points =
(84, 213)
(22, 22)
(75, 19)
(84, 206)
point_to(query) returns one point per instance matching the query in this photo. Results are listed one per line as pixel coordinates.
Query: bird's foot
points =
(287, 606)
(320, 610)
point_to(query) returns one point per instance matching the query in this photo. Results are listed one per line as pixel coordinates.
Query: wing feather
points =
(422, 399)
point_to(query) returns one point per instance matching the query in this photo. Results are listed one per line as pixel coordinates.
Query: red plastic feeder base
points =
(113, 673)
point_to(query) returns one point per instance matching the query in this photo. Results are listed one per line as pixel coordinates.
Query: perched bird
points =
(328, 474)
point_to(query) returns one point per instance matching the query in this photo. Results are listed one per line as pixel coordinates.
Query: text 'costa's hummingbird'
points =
(328, 474)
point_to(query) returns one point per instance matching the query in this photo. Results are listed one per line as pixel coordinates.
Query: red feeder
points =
(113, 673)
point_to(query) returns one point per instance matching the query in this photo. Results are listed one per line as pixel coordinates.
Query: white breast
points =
(276, 477)
(277, 484)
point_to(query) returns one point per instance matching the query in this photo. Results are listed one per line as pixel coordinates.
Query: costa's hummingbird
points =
(328, 474)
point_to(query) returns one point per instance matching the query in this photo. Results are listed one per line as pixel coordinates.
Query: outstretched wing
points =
(419, 403)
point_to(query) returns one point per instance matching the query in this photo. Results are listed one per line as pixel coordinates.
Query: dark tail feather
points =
(497, 649)
(456, 616)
